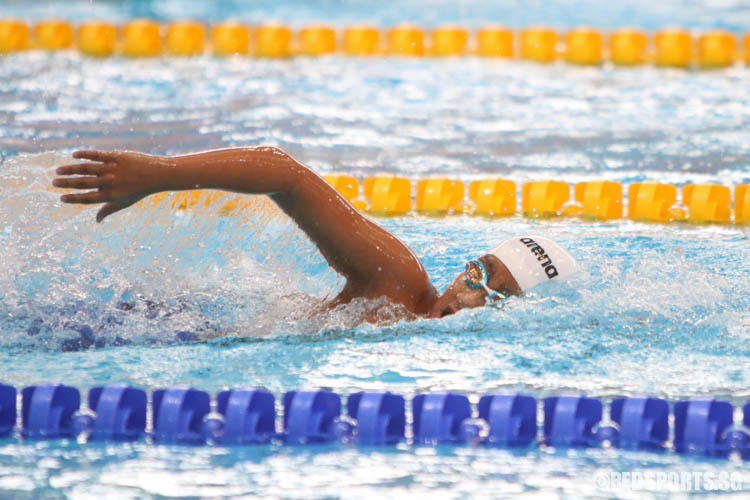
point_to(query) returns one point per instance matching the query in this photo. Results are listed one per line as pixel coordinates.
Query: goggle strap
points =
(492, 294)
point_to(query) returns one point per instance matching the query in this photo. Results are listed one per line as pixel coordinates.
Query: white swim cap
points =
(534, 259)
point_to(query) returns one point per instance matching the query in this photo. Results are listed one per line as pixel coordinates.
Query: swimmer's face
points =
(459, 295)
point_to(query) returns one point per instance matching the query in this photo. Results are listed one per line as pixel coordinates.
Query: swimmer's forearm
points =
(120, 178)
(246, 170)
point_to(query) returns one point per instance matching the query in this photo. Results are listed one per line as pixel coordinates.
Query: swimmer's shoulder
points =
(416, 293)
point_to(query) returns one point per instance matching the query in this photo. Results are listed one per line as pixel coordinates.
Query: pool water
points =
(156, 296)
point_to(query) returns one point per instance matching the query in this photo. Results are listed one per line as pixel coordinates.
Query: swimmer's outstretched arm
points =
(374, 262)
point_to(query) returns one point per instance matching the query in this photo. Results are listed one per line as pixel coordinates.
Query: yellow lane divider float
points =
(14, 35)
(742, 203)
(53, 34)
(362, 40)
(230, 38)
(670, 47)
(707, 202)
(387, 195)
(96, 39)
(495, 41)
(673, 47)
(716, 49)
(584, 46)
(544, 198)
(440, 196)
(493, 197)
(316, 40)
(272, 40)
(185, 38)
(600, 200)
(539, 43)
(449, 40)
(390, 195)
(654, 201)
(141, 38)
(627, 47)
(406, 40)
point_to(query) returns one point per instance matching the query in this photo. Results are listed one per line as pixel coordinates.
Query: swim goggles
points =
(478, 277)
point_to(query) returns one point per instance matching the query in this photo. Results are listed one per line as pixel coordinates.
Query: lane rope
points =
(583, 45)
(185, 415)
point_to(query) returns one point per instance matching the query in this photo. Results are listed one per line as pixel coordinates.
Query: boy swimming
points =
(374, 262)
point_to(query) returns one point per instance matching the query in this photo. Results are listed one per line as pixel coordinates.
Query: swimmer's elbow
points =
(286, 174)
(279, 157)
(273, 151)
(299, 178)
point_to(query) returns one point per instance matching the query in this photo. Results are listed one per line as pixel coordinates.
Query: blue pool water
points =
(657, 309)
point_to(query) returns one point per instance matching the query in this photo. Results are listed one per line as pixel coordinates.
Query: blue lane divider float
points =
(313, 417)
(183, 415)
(438, 417)
(249, 417)
(7, 409)
(120, 413)
(643, 423)
(569, 420)
(703, 426)
(511, 417)
(47, 410)
(178, 415)
(380, 417)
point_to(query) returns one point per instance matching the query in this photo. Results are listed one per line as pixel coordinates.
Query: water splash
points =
(152, 273)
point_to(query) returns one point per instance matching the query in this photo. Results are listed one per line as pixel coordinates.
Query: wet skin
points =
(374, 262)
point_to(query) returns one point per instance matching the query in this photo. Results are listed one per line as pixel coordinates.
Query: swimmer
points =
(374, 262)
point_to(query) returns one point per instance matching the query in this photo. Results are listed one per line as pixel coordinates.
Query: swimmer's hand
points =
(116, 178)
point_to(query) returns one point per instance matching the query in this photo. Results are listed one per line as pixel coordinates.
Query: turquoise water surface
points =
(154, 296)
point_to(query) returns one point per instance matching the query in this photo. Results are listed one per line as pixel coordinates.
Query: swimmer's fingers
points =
(79, 182)
(109, 209)
(84, 169)
(87, 198)
(93, 197)
(96, 155)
